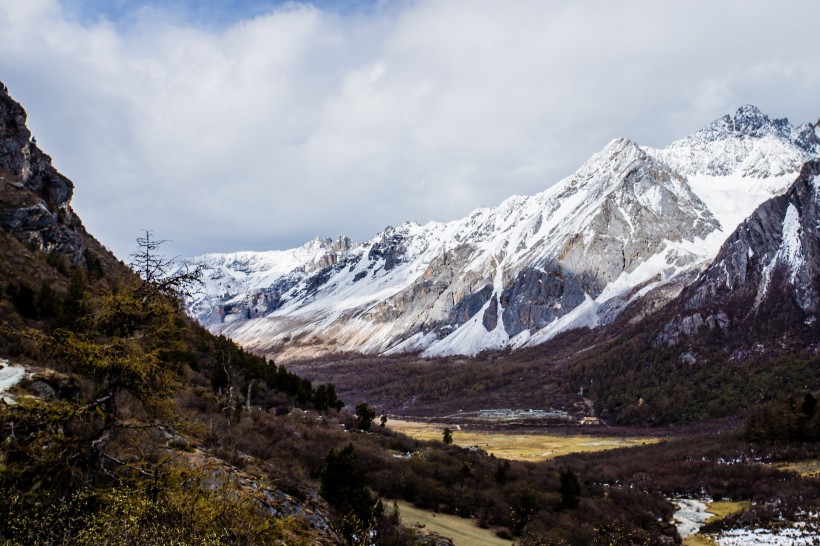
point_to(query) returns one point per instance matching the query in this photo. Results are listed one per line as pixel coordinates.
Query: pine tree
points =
(345, 489)
(364, 415)
(570, 490)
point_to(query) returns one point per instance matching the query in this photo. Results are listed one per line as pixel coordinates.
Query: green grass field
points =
(522, 447)
(463, 532)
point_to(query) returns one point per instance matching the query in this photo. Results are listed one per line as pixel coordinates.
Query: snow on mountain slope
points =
(629, 219)
(245, 279)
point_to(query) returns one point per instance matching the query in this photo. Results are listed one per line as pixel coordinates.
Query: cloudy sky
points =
(259, 124)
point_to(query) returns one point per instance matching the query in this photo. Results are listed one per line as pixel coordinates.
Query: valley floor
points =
(522, 446)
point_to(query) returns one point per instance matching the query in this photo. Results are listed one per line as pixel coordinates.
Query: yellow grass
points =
(806, 469)
(462, 531)
(522, 447)
(698, 540)
(721, 509)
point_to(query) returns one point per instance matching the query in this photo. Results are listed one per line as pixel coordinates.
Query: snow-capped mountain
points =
(629, 220)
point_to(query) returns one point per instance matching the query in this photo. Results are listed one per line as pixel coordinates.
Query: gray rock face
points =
(648, 206)
(468, 306)
(25, 219)
(35, 197)
(389, 249)
(537, 297)
(441, 299)
(490, 317)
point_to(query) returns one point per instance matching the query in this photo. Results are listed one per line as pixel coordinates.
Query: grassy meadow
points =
(517, 446)
(463, 532)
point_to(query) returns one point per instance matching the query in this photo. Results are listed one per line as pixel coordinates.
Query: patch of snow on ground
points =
(651, 199)
(790, 252)
(470, 339)
(416, 342)
(690, 517)
(10, 375)
(583, 316)
(799, 535)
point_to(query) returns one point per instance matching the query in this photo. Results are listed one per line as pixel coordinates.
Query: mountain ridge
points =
(629, 216)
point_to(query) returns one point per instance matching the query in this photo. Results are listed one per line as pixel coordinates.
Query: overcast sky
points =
(257, 125)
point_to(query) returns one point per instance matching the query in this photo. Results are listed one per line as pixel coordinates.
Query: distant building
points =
(590, 421)
(505, 413)
(495, 413)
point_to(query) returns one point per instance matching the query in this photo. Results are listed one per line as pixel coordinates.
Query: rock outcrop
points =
(34, 197)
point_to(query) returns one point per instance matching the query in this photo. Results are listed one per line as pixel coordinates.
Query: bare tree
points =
(164, 275)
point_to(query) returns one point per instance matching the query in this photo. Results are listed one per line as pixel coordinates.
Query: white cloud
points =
(298, 122)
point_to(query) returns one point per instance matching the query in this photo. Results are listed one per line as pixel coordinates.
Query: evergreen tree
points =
(116, 342)
(570, 490)
(502, 469)
(344, 488)
(364, 415)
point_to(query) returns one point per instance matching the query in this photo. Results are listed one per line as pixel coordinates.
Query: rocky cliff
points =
(35, 198)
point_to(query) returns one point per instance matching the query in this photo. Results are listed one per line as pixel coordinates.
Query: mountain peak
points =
(620, 144)
(749, 144)
(750, 113)
(749, 121)
(750, 110)
(614, 153)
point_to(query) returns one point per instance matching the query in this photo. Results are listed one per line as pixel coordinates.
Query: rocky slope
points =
(631, 220)
(764, 283)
